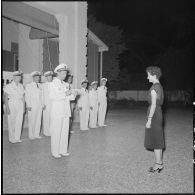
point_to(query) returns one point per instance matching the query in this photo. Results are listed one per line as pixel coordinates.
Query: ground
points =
(104, 160)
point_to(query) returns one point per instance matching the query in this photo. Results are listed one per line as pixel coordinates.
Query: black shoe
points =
(159, 169)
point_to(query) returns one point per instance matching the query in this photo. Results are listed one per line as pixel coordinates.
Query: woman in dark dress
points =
(154, 136)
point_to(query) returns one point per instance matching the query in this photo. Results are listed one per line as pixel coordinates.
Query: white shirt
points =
(102, 91)
(93, 97)
(46, 99)
(14, 91)
(83, 97)
(34, 95)
(60, 101)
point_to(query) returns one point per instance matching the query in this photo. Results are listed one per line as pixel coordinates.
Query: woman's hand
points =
(148, 124)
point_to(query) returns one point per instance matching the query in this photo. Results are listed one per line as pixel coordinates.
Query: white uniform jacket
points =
(46, 99)
(102, 91)
(83, 100)
(34, 95)
(93, 98)
(15, 92)
(60, 102)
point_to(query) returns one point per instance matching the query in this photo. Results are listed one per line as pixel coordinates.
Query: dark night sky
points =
(150, 18)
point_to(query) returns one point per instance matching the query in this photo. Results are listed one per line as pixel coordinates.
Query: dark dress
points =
(154, 136)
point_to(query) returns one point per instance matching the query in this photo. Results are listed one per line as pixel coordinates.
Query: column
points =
(101, 60)
(63, 45)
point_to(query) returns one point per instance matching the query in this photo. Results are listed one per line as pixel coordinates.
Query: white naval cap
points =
(35, 73)
(61, 67)
(104, 79)
(94, 82)
(48, 73)
(17, 73)
(84, 81)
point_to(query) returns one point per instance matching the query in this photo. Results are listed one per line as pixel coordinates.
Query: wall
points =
(50, 54)
(30, 51)
(136, 95)
(92, 68)
(141, 95)
(10, 33)
(81, 41)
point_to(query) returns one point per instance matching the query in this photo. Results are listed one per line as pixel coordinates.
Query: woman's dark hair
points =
(154, 70)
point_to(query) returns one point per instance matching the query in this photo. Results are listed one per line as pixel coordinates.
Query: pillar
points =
(101, 60)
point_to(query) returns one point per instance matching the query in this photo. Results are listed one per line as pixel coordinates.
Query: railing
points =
(141, 95)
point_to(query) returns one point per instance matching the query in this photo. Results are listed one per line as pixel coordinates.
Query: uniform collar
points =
(35, 83)
(84, 89)
(14, 84)
(58, 80)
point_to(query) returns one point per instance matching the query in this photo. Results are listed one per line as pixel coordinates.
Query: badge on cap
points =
(104, 79)
(17, 73)
(35, 73)
(48, 73)
(84, 81)
(61, 67)
(94, 82)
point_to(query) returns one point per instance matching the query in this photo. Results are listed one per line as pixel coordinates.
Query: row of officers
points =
(55, 100)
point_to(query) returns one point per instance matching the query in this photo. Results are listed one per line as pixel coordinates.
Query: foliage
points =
(112, 36)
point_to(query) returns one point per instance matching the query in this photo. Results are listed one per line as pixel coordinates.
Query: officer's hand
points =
(44, 107)
(28, 108)
(7, 111)
(80, 108)
(91, 107)
(68, 92)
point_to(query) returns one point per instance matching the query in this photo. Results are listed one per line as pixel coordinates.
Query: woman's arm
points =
(152, 108)
(153, 105)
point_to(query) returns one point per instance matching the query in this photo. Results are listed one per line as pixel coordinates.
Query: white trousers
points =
(84, 118)
(46, 120)
(15, 119)
(93, 117)
(102, 113)
(34, 122)
(59, 129)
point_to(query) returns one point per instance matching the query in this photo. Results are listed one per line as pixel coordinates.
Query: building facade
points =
(40, 35)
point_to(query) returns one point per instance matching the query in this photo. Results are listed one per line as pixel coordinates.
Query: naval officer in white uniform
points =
(69, 80)
(93, 105)
(83, 105)
(102, 102)
(34, 104)
(60, 112)
(15, 104)
(47, 103)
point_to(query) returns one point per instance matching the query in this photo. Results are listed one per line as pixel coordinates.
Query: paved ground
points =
(108, 160)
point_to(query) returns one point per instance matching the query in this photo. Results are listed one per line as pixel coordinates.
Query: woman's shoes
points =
(159, 169)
